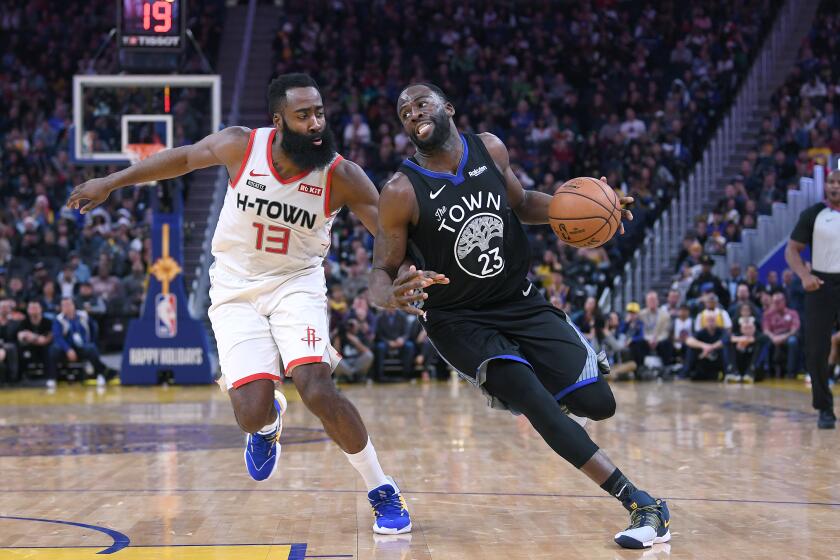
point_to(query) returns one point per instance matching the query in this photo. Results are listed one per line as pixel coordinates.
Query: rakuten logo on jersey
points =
(276, 210)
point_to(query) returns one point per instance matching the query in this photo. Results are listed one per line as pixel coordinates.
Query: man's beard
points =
(303, 152)
(439, 136)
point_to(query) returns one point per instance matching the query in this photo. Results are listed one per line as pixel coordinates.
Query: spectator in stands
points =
(656, 325)
(586, 318)
(772, 285)
(50, 299)
(705, 360)
(134, 286)
(734, 279)
(356, 355)
(632, 334)
(361, 311)
(74, 340)
(749, 348)
(753, 283)
(793, 290)
(9, 372)
(672, 304)
(426, 358)
(742, 297)
(682, 330)
(632, 128)
(357, 131)
(392, 338)
(67, 281)
(712, 308)
(35, 336)
(106, 285)
(781, 325)
(707, 281)
(89, 301)
(338, 304)
(80, 270)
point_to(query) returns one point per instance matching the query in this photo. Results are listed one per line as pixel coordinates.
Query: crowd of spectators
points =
(802, 129)
(51, 258)
(707, 328)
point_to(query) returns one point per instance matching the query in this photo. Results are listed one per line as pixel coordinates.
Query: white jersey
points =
(269, 226)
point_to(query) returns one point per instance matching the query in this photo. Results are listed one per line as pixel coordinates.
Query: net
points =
(139, 152)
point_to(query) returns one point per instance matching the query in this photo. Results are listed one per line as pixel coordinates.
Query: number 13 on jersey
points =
(272, 243)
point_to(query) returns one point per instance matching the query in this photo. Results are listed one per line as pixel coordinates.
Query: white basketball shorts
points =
(261, 324)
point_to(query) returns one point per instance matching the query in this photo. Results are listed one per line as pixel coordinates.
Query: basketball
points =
(585, 212)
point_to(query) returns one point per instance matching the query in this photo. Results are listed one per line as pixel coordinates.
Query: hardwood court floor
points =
(744, 469)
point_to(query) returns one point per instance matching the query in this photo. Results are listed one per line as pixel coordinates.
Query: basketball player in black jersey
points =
(457, 209)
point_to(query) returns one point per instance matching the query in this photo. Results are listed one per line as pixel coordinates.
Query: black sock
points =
(618, 486)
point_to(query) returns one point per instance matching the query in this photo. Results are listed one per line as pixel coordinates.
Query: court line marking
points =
(297, 551)
(120, 540)
(409, 492)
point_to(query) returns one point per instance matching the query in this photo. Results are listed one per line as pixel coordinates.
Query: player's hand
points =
(71, 355)
(625, 213)
(811, 283)
(93, 192)
(408, 289)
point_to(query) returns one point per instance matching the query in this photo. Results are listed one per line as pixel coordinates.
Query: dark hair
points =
(432, 87)
(281, 84)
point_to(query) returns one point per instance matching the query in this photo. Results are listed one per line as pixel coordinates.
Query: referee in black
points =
(819, 227)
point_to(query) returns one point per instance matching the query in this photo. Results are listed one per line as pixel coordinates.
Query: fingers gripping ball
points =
(585, 212)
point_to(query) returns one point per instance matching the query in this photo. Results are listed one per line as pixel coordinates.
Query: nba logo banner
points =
(166, 342)
(166, 315)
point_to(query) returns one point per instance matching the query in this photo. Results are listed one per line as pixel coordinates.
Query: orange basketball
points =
(584, 212)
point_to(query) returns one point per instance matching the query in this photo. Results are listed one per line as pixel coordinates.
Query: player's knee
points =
(318, 393)
(603, 410)
(253, 405)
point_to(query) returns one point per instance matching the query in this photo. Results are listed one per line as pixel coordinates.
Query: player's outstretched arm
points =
(351, 187)
(388, 289)
(226, 147)
(531, 207)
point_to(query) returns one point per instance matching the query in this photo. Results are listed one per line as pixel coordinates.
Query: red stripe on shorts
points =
(304, 360)
(245, 380)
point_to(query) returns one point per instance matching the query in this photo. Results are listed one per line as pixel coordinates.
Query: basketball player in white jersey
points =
(268, 293)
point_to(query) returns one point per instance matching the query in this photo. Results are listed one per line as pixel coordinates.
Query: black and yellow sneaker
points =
(649, 521)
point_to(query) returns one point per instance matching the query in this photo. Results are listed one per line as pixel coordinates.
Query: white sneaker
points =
(731, 378)
(100, 380)
(747, 378)
(51, 384)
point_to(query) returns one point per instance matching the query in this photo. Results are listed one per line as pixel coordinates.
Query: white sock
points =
(269, 429)
(366, 462)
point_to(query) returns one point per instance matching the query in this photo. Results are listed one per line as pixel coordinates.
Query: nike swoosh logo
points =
(667, 523)
(252, 174)
(528, 291)
(437, 192)
(620, 491)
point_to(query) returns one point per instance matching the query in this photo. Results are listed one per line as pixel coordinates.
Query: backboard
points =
(114, 111)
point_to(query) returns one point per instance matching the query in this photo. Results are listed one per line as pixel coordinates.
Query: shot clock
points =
(151, 25)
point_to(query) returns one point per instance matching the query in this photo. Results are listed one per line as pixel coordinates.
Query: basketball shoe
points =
(649, 521)
(390, 514)
(262, 450)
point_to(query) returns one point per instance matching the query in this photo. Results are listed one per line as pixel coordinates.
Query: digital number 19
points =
(161, 12)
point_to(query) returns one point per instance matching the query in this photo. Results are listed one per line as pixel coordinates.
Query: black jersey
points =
(467, 231)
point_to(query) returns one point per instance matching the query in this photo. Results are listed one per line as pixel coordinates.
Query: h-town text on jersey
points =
(276, 210)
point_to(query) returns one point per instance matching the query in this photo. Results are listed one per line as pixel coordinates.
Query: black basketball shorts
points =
(524, 328)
